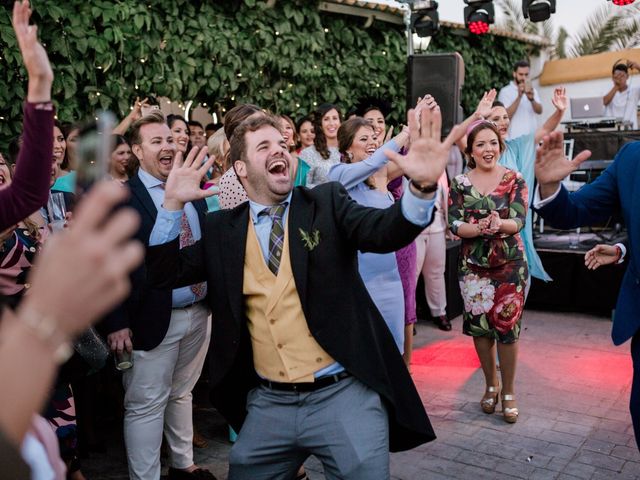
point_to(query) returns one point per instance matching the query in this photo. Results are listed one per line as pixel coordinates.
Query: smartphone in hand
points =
(528, 86)
(94, 149)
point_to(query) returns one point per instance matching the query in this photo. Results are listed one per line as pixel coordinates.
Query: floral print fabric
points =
(492, 269)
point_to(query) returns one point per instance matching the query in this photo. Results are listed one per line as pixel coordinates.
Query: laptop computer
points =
(587, 108)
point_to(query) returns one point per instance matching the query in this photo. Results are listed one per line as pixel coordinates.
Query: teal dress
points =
(520, 156)
(66, 183)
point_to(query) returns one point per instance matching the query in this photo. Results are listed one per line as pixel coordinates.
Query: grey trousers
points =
(344, 425)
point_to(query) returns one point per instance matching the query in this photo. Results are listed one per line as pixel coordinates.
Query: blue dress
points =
(520, 155)
(379, 271)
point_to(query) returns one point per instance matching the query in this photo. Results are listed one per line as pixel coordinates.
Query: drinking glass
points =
(57, 210)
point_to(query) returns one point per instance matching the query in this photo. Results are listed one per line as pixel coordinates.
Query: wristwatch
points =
(424, 188)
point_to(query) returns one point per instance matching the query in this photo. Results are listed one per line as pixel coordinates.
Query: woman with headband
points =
(487, 210)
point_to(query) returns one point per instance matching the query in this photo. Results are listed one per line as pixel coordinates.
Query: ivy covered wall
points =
(286, 58)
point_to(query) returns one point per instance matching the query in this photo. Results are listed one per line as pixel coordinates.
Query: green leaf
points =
(138, 21)
(484, 323)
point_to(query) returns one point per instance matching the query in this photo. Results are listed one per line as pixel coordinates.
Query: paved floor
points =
(572, 389)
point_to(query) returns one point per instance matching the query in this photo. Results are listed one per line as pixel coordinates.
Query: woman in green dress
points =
(487, 210)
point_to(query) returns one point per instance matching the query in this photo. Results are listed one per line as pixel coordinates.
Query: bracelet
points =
(46, 329)
(424, 188)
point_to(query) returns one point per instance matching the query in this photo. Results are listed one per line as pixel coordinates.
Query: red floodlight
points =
(622, 3)
(478, 15)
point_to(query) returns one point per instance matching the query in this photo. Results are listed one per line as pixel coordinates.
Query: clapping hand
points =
(552, 166)
(495, 222)
(483, 224)
(183, 183)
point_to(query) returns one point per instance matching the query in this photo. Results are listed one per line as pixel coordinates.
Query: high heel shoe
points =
(510, 413)
(490, 400)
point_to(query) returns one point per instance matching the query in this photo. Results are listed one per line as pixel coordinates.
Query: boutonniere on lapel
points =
(310, 240)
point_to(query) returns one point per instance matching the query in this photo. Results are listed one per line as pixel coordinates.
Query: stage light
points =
(425, 20)
(622, 3)
(538, 10)
(478, 15)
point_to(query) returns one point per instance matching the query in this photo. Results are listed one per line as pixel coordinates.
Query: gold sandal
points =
(488, 403)
(510, 413)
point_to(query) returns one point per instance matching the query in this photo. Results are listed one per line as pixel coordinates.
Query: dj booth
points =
(575, 288)
(603, 144)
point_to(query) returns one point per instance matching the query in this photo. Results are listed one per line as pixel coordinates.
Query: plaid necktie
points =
(186, 239)
(276, 238)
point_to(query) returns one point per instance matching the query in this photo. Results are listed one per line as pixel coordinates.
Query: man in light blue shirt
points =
(167, 329)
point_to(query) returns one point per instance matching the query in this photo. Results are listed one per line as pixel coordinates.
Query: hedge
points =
(287, 58)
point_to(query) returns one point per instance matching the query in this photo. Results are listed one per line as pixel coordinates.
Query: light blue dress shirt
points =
(167, 228)
(180, 297)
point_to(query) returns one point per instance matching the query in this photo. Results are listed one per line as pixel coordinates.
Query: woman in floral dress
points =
(487, 210)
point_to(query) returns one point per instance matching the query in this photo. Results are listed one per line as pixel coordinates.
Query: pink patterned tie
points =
(186, 239)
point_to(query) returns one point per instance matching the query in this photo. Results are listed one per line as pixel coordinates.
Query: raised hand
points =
(388, 136)
(552, 166)
(136, 112)
(33, 54)
(601, 255)
(428, 155)
(486, 102)
(424, 103)
(560, 100)
(183, 183)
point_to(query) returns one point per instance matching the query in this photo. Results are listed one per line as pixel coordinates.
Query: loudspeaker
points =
(442, 76)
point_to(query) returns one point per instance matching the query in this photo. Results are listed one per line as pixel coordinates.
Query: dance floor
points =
(572, 390)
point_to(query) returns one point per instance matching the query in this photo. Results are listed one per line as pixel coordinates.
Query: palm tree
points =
(514, 21)
(608, 28)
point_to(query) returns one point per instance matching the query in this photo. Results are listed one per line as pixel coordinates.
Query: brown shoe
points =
(199, 441)
(443, 323)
